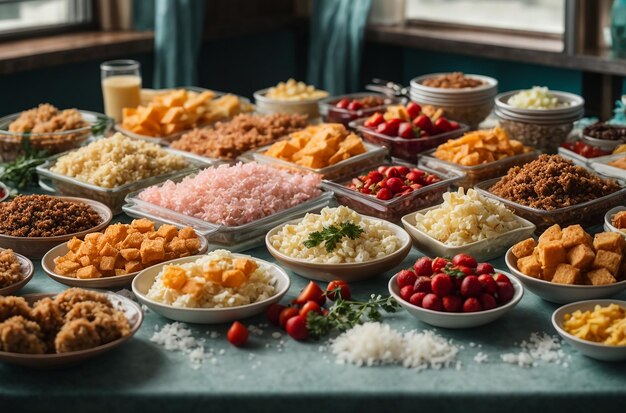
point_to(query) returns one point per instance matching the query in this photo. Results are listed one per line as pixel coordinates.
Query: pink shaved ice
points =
(235, 195)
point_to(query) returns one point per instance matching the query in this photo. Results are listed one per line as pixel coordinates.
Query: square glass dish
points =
(394, 209)
(482, 250)
(114, 198)
(402, 148)
(331, 113)
(601, 166)
(585, 214)
(477, 173)
(223, 235)
(374, 155)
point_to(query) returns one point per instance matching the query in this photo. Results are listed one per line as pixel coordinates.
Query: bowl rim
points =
(299, 261)
(106, 216)
(53, 253)
(574, 306)
(150, 302)
(260, 96)
(508, 258)
(133, 330)
(28, 273)
(488, 83)
(576, 103)
(405, 222)
(607, 219)
(517, 285)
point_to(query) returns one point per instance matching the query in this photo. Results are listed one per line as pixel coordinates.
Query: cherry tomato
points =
(355, 105)
(413, 109)
(442, 125)
(505, 291)
(423, 267)
(470, 286)
(375, 176)
(465, 270)
(406, 131)
(384, 194)
(464, 260)
(312, 292)
(237, 334)
(296, 328)
(417, 299)
(488, 283)
(343, 103)
(441, 284)
(452, 303)
(484, 268)
(389, 128)
(406, 292)
(439, 264)
(273, 313)
(454, 125)
(406, 277)
(422, 285)
(415, 176)
(344, 293)
(501, 278)
(392, 172)
(487, 302)
(286, 314)
(395, 185)
(472, 305)
(310, 306)
(432, 302)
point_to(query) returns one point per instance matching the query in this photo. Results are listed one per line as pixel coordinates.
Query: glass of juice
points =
(121, 86)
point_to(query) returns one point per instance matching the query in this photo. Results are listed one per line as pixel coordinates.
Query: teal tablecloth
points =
(142, 375)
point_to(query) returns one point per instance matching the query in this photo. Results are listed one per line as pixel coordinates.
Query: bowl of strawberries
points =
(408, 129)
(456, 293)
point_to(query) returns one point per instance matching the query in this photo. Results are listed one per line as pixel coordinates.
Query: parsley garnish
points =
(332, 235)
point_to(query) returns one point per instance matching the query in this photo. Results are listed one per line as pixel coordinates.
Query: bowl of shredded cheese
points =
(596, 328)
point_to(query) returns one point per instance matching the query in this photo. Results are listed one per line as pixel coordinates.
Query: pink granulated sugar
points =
(235, 195)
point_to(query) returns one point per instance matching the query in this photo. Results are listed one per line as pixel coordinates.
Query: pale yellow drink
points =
(120, 92)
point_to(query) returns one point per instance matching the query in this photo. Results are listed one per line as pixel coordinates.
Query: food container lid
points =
(489, 84)
(576, 104)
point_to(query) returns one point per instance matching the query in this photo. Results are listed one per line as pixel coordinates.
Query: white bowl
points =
(47, 264)
(591, 349)
(489, 85)
(458, 320)
(145, 279)
(350, 271)
(576, 103)
(28, 271)
(608, 217)
(483, 250)
(562, 293)
(267, 105)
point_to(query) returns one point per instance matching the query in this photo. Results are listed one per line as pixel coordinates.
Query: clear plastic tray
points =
(374, 156)
(114, 198)
(222, 234)
(406, 149)
(167, 140)
(482, 250)
(585, 214)
(331, 113)
(477, 173)
(394, 209)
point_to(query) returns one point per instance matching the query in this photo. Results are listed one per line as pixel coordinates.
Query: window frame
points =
(86, 11)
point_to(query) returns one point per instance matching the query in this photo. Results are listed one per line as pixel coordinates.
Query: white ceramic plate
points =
(349, 272)
(458, 320)
(591, 349)
(562, 293)
(481, 250)
(47, 264)
(28, 271)
(145, 279)
(45, 361)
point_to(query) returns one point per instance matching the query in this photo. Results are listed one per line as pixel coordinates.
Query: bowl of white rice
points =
(380, 247)
(200, 299)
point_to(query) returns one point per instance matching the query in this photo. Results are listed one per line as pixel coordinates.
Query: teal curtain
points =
(336, 44)
(178, 28)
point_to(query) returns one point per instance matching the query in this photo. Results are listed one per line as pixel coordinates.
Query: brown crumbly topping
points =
(10, 268)
(228, 140)
(46, 119)
(551, 182)
(45, 216)
(619, 220)
(454, 80)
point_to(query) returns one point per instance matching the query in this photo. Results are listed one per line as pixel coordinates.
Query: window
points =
(23, 16)
(542, 16)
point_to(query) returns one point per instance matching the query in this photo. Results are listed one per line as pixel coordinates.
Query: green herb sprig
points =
(345, 314)
(332, 235)
(20, 172)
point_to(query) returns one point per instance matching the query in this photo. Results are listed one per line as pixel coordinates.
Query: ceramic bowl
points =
(47, 264)
(608, 218)
(458, 320)
(28, 271)
(562, 293)
(132, 312)
(349, 272)
(145, 279)
(598, 351)
(483, 250)
(36, 247)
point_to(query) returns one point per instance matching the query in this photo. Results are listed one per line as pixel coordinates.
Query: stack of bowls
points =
(466, 105)
(543, 129)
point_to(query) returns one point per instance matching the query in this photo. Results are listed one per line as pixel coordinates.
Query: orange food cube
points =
(174, 277)
(213, 273)
(152, 250)
(192, 287)
(233, 278)
(167, 231)
(187, 233)
(247, 266)
(74, 244)
(87, 272)
(133, 266)
(143, 225)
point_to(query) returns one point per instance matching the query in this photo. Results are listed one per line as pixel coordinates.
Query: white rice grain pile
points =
(177, 337)
(539, 348)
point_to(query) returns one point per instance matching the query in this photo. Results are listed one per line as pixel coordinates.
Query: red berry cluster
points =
(459, 285)
(582, 149)
(358, 104)
(388, 182)
(419, 125)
